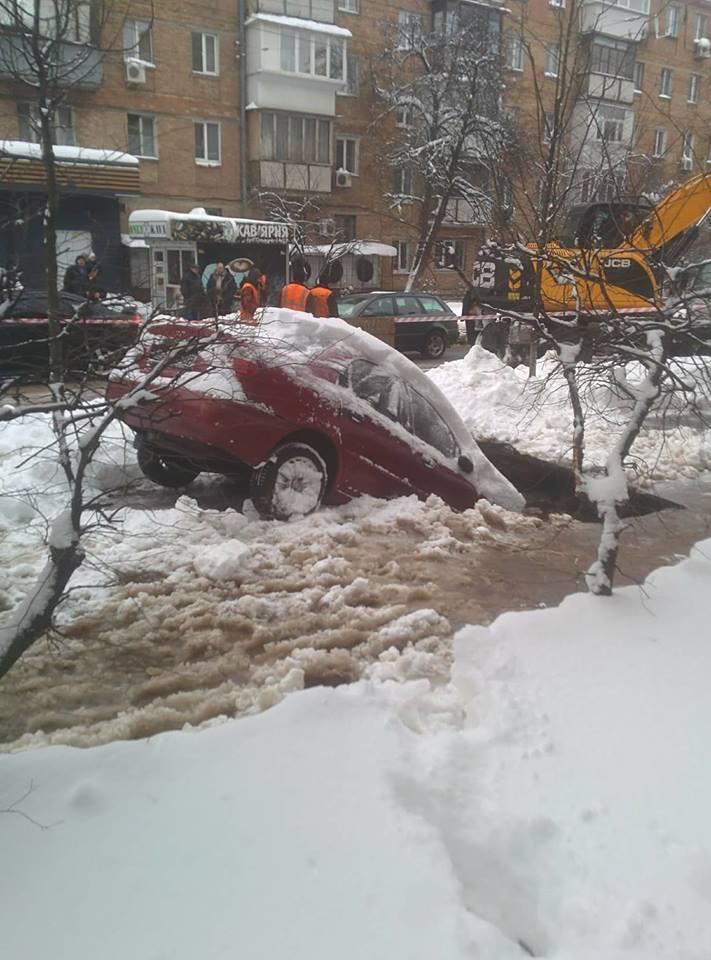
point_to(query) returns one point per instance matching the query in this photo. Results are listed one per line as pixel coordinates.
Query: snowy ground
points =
(551, 801)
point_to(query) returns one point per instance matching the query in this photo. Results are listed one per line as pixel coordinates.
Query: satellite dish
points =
(241, 265)
(333, 272)
(364, 269)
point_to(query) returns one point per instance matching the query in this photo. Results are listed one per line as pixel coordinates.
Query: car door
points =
(375, 450)
(376, 317)
(409, 325)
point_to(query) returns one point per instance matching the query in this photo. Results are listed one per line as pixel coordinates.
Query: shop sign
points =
(149, 228)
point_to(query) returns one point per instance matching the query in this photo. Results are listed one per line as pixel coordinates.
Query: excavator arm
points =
(673, 224)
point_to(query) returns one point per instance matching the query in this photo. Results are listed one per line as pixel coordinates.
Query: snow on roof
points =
(135, 242)
(24, 150)
(313, 26)
(361, 248)
(198, 214)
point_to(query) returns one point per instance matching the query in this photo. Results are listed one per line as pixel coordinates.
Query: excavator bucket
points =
(672, 223)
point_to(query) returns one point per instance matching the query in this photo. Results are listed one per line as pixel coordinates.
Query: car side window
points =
(407, 306)
(430, 427)
(380, 307)
(433, 305)
(385, 393)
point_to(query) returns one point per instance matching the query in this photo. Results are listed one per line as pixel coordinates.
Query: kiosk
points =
(175, 240)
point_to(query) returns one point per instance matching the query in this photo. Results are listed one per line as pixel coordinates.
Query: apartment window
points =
(138, 39)
(610, 124)
(207, 143)
(404, 115)
(316, 54)
(402, 181)
(142, 135)
(701, 26)
(347, 154)
(402, 258)
(295, 138)
(205, 55)
(666, 82)
(448, 252)
(638, 77)
(514, 52)
(348, 6)
(672, 20)
(28, 116)
(552, 60)
(694, 81)
(612, 58)
(659, 145)
(350, 87)
(556, 3)
(687, 148)
(409, 29)
(639, 6)
(345, 226)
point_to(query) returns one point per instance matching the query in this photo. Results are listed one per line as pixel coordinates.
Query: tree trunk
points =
(51, 219)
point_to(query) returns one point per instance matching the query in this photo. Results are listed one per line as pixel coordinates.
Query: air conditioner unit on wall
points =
(135, 71)
(702, 48)
(327, 228)
(343, 178)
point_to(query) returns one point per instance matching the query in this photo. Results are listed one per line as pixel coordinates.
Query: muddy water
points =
(154, 652)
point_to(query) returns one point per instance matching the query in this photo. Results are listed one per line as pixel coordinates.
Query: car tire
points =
(290, 483)
(435, 345)
(164, 469)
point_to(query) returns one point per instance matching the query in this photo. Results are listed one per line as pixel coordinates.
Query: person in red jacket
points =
(294, 295)
(249, 295)
(322, 301)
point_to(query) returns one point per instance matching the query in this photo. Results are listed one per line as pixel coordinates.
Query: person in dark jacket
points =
(94, 287)
(76, 277)
(191, 290)
(322, 301)
(250, 295)
(221, 289)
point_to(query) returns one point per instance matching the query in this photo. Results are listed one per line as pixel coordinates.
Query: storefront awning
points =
(198, 225)
(78, 169)
(359, 248)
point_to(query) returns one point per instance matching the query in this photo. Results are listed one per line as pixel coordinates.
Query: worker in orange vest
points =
(322, 301)
(249, 295)
(294, 295)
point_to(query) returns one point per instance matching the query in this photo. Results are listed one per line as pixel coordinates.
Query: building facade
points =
(238, 108)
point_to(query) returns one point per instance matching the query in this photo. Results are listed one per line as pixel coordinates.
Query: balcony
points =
(617, 89)
(324, 11)
(624, 19)
(77, 64)
(298, 177)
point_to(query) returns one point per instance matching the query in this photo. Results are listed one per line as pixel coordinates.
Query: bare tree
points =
(442, 88)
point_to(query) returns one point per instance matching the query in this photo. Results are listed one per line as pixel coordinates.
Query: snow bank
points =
(501, 403)
(552, 801)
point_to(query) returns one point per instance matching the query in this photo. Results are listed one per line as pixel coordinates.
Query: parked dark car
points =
(309, 411)
(424, 323)
(92, 333)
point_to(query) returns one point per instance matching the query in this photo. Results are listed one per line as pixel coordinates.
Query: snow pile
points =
(501, 403)
(551, 801)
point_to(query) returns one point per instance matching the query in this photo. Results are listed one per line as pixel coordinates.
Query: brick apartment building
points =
(183, 79)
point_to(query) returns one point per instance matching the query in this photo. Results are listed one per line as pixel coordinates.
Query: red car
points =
(311, 410)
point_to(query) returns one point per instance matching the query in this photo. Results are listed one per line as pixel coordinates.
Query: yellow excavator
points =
(610, 260)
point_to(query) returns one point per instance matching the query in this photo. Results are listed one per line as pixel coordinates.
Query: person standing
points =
(294, 295)
(322, 301)
(221, 289)
(76, 277)
(250, 296)
(94, 287)
(191, 290)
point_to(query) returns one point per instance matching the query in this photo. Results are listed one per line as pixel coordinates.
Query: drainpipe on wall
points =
(241, 14)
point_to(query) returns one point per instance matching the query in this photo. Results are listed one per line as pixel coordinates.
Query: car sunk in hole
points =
(423, 323)
(307, 411)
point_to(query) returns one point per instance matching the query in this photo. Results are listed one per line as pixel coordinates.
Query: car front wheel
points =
(290, 483)
(435, 345)
(167, 470)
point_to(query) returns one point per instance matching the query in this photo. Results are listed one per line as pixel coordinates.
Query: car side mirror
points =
(465, 464)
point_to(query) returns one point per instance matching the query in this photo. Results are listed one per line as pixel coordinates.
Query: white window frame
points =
(404, 115)
(687, 145)
(345, 139)
(410, 25)
(204, 36)
(638, 76)
(672, 20)
(28, 112)
(352, 71)
(403, 176)
(514, 53)
(402, 256)
(694, 84)
(132, 34)
(440, 253)
(659, 143)
(552, 67)
(205, 161)
(291, 119)
(701, 26)
(609, 122)
(309, 40)
(639, 6)
(556, 3)
(143, 117)
(665, 90)
(349, 6)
